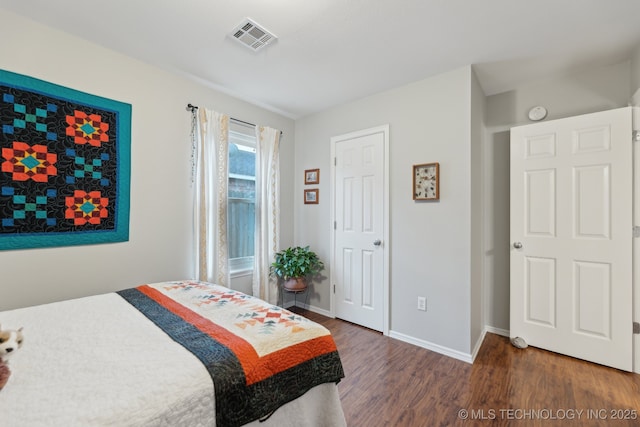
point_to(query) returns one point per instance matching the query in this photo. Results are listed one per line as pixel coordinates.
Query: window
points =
(241, 198)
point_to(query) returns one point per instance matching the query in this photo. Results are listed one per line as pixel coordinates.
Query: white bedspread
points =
(97, 361)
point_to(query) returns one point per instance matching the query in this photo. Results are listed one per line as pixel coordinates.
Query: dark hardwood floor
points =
(392, 383)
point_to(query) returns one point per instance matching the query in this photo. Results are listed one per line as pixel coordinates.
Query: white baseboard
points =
(288, 304)
(316, 309)
(476, 348)
(469, 358)
(465, 357)
(497, 331)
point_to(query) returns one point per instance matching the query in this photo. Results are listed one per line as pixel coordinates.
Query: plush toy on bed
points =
(10, 341)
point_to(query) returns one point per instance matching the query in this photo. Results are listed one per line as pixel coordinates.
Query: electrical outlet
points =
(422, 303)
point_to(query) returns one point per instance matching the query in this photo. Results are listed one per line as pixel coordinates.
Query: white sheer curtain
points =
(210, 210)
(267, 212)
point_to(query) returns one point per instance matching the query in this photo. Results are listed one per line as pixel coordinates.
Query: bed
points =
(153, 356)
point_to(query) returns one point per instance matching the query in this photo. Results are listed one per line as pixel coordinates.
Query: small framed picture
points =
(311, 196)
(312, 176)
(426, 181)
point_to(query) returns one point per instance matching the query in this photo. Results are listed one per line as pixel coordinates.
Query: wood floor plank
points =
(392, 383)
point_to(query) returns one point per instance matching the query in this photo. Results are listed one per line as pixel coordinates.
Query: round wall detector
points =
(537, 113)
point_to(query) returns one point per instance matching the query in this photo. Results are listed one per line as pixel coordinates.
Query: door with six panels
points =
(571, 236)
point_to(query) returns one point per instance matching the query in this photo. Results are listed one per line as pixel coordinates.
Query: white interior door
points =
(360, 260)
(571, 236)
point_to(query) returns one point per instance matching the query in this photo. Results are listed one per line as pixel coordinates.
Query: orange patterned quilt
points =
(259, 356)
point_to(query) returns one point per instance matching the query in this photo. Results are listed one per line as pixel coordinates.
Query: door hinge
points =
(335, 225)
(335, 161)
(636, 327)
(635, 136)
(334, 288)
(636, 231)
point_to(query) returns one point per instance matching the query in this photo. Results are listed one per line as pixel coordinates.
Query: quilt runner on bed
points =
(259, 356)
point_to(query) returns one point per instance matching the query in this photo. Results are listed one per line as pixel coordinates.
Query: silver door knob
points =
(377, 242)
(517, 245)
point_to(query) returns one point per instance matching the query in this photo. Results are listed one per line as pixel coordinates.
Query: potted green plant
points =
(294, 265)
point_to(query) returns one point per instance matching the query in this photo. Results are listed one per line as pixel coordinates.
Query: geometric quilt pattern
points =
(253, 372)
(64, 165)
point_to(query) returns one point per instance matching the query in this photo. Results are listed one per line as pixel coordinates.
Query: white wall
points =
(160, 245)
(430, 243)
(593, 90)
(477, 127)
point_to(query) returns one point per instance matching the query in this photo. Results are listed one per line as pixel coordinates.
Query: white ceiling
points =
(333, 51)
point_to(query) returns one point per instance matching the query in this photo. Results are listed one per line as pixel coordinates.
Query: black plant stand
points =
(295, 295)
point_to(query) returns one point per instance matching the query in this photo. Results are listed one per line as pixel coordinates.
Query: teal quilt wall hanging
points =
(65, 165)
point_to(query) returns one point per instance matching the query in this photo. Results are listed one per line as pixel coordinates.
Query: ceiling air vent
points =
(252, 35)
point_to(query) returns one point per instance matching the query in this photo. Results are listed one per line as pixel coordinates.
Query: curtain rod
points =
(192, 108)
